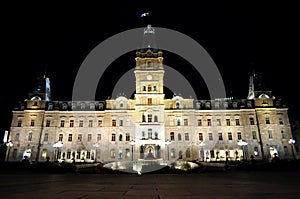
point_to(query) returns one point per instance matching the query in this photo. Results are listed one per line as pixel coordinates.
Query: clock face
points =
(149, 77)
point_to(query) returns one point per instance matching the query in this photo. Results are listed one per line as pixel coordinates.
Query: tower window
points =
(177, 105)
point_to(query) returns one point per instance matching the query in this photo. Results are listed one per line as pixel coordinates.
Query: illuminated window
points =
(44, 154)
(149, 100)
(172, 153)
(172, 136)
(46, 137)
(62, 123)
(32, 123)
(201, 136)
(80, 123)
(48, 123)
(99, 123)
(112, 154)
(229, 136)
(98, 137)
(89, 137)
(71, 123)
(60, 137)
(127, 153)
(70, 138)
(256, 151)
(113, 123)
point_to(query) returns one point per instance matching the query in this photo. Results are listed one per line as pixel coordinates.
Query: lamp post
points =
(57, 145)
(96, 145)
(292, 142)
(243, 143)
(167, 143)
(132, 142)
(9, 145)
(201, 150)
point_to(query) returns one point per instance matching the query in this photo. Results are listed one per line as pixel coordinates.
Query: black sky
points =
(238, 36)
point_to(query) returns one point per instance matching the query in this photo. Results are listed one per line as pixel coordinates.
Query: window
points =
(283, 136)
(179, 137)
(177, 105)
(280, 121)
(19, 123)
(186, 137)
(267, 120)
(80, 123)
(154, 88)
(237, 122)
(60, 137)
(210, 136)
(48, 123)
(113, 123)
(78, 155)
(156, 135)
(149, 100)
(62, 123)
(127, 138)
(220, 136)
(180, 155)
(120, 122)
(17, 138)
(113, 137)
(201, 136)
(89, 137)
(32, 123)
(228, 122)
(239, 135)
(256, 151)
(251, 121)
(270, 134)
(80, 137)
(70, 138)
(229, 136)
(149, 133)
(178, 122)
(149, 118)
(69, 155)
(46, 137)
(188, 153)
(143, 134)
(71, 123)
(254, 137)
(99, 123)
(144, 88)
(120, 137)
(155, 118)
(98, 137)
(127, 153)
(219, 122)
(149, 88)
(90, 123)
(172, 136)
(212, 154)
(199, 122)
(208, 122)
(172, 153)
(30, 137)
(121, 105)
(112, 154)
(185, 122)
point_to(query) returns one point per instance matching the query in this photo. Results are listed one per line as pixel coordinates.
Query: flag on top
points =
(145, 14)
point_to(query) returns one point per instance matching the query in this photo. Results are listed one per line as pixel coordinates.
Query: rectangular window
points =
(90, 123)
(79, 137)
(120, 122)
(239, 135)
(256, 151)
(60, 137)
(251, 121)
(270, 134)
(280, 121)
(154, 88)
(212, 154)
(149, 88)
(70, 138)
(78, 155)
(46, 137)
(178, 122)
(113, 137)
(149, 100)
(89, 137)
(237, 122)
(48, 123)
(199, 122)
(69, 155)
(172, 136)
(208, 122)
(98, 137)
(19, 123)
(113, 123)
(228, 122)
(80, 123)
(254, 137)
(71, 123)
(127, 138)
(219, 122)
(267, 120)
(283, 136)
(62, 123)
(201, 136)
(185, 121)
(210, 136)
(186, 137)
(99, 123)
(30, 137)
(149, 118)
(229, 136)
(32, 123)
(220, 136)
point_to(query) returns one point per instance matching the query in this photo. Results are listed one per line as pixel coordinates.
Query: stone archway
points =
(150, 152)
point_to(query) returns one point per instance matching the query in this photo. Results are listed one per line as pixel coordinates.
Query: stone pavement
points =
(254, 185)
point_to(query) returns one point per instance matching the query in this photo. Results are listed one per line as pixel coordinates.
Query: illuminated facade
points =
(162, 129)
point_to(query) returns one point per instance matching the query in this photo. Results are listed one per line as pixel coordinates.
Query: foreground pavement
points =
(250, 184)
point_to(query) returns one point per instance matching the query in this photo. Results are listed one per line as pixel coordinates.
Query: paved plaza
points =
(250, 184)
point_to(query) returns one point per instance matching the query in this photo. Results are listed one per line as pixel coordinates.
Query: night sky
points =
(240, 38)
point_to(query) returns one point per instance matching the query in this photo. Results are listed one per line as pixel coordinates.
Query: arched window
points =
(177, 105)
(120, 137)
(179, 137)
(178, 122)
(121, 105)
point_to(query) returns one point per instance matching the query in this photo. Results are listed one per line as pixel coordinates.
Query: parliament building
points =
(149, 126)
